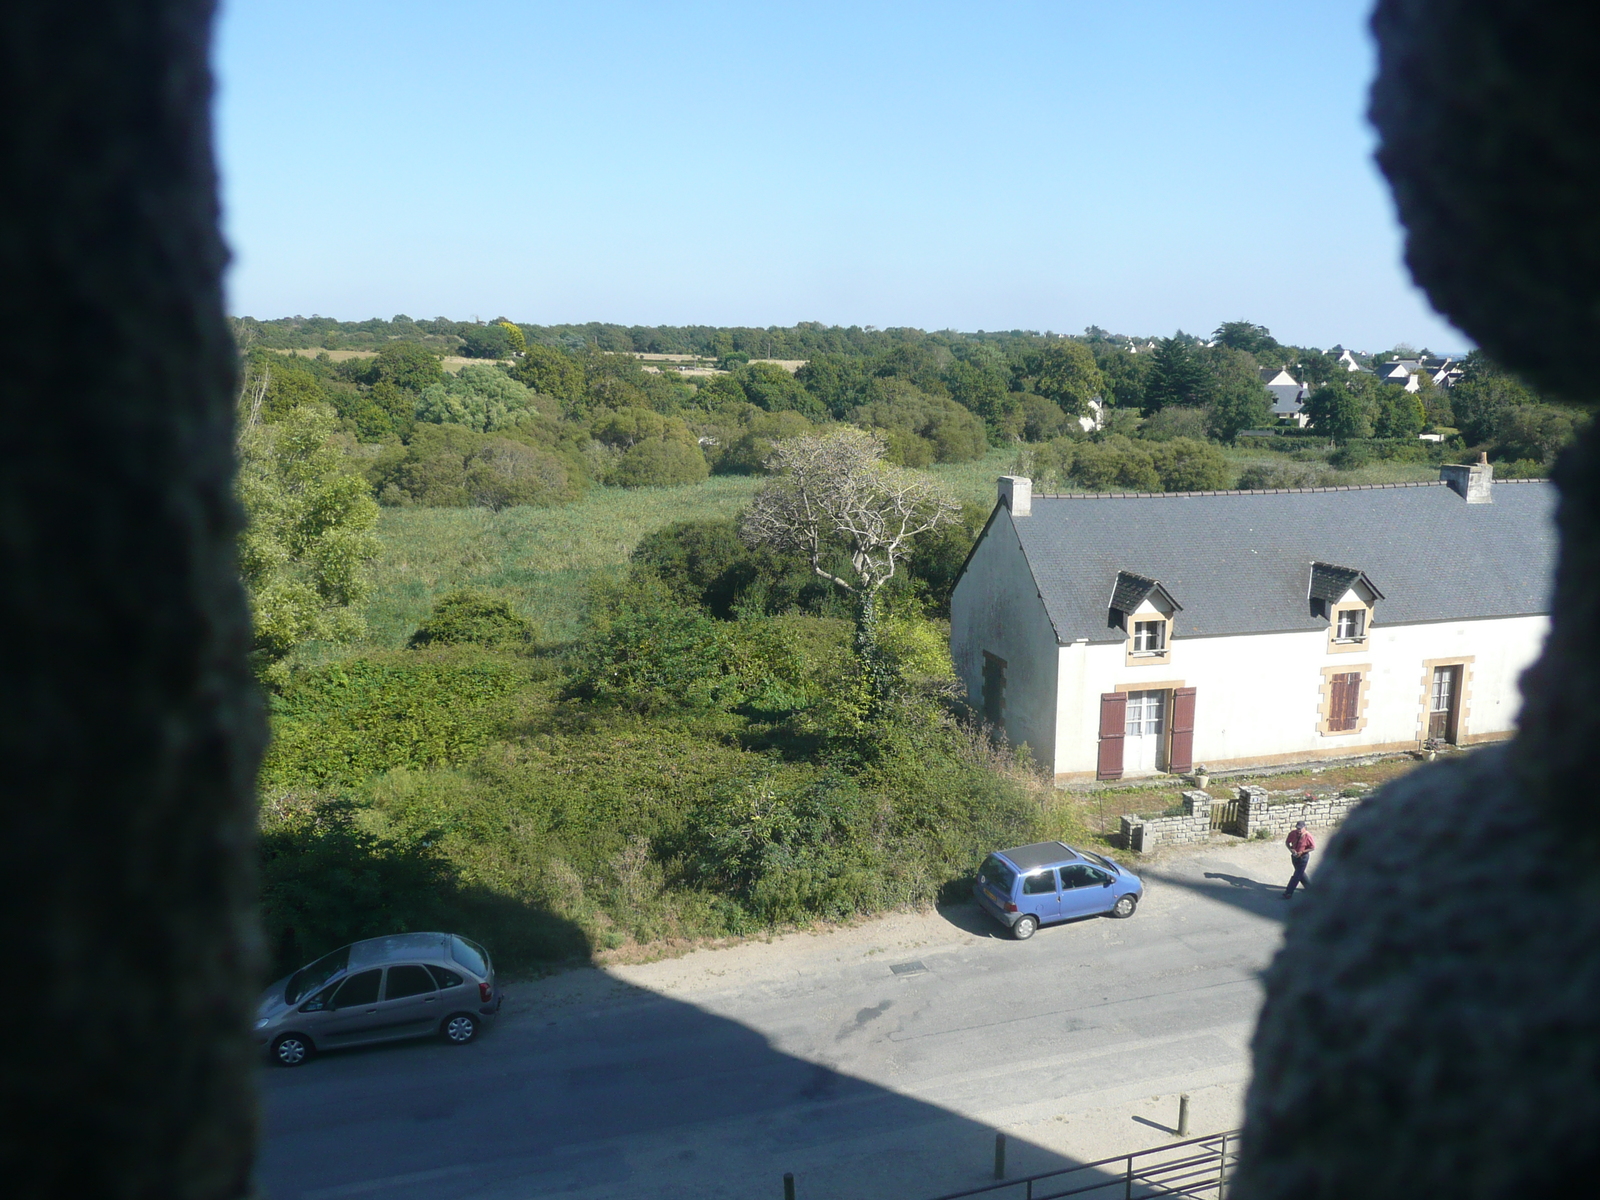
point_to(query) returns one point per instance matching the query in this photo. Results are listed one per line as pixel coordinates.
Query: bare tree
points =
(834, 488)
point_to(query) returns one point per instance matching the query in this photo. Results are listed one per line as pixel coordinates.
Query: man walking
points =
(1301, 844)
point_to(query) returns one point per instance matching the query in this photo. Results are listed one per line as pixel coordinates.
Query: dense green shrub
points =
(659, 464)
(471, 617)
(343, 723)
(707, 564)
(1114, 464)
(483, 399)
(920, 429)
(744, 437)
(771, 387)
(486, 341)
(325, 882)
(1355, 453)
(788, 853)
(454, 467)
(648, 653)
(1187, 465)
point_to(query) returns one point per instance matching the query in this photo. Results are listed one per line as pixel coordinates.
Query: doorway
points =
(1444, 704)
(1144, 744)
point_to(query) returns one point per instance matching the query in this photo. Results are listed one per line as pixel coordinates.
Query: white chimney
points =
(1016, 493)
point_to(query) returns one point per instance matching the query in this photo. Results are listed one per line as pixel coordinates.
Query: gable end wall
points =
(996, 608)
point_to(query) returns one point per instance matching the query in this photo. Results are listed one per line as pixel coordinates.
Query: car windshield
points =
(309, 979)
(998, 874)
(1104, 862)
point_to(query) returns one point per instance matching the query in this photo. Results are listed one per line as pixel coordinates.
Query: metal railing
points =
(1199, 1167)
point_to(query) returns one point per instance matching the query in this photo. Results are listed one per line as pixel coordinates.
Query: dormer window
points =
(1144, 610)
(1346, 599)
(1149, 637)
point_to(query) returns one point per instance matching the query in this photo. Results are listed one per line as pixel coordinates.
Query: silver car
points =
(380, 990)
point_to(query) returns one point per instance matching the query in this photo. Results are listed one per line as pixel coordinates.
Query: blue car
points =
(1029, 886)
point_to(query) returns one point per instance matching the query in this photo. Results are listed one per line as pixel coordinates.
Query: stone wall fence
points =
(1254, 813)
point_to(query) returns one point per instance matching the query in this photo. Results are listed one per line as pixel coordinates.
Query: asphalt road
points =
(874, 1061)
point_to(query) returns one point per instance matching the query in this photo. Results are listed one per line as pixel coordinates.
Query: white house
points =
(1288, 395)
(1125, 635)
(1402, 371)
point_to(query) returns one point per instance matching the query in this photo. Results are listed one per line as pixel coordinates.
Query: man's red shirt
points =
(1300, 842)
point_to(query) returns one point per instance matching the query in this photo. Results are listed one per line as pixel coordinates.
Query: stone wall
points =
(1258, 813)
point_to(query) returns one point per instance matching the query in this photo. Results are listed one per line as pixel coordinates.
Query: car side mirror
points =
(1105, 883)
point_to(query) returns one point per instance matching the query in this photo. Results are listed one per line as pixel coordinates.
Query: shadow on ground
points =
(1261, 896)
(617, 1092)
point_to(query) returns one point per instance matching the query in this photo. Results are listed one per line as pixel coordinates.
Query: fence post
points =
(788, 1185)
(1127, 1187)
(1222, 1167)
(999, 1156)
(1183, 1115)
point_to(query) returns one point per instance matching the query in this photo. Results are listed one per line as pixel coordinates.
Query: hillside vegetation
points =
(535, 673)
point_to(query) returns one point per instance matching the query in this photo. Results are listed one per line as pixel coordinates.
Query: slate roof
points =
(1329, 582)
(1240, 562)
(1132, 590)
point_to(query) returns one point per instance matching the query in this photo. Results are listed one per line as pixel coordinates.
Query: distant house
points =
(1288, 395)
(1127, 635)
(1402, 371)
(1095, 418)
(1346, 358)
(1444, 371)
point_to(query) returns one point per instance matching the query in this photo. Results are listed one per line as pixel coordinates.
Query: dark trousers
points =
(1299, 876)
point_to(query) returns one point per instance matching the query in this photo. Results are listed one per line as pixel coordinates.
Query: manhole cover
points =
(910, 968)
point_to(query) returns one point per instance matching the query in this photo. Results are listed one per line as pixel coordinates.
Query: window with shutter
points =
(1345, 701)
(1113, 720)
(1181, 756)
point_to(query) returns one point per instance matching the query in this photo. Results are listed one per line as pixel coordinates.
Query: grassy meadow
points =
(542, 559)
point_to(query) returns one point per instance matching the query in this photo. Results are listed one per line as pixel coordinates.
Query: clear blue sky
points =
(1143, 165)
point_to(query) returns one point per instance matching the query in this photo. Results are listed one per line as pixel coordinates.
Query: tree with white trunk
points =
(834, 490)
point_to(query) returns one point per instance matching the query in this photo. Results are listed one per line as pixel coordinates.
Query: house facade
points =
(1288, 395)
(1128, 635)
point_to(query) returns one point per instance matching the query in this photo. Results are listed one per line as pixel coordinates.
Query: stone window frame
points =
(1338, 645)
(1325, 707)
(1147, 658)
(1463, 703)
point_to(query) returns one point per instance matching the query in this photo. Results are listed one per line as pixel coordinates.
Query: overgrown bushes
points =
(675, 776)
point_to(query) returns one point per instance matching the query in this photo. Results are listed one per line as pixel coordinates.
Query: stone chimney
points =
(1016, 493)
(1473, 482)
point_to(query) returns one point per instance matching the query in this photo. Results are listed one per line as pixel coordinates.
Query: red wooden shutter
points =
(1345, 701)
(1181, 756)
(1336, 691)
(1113, 724)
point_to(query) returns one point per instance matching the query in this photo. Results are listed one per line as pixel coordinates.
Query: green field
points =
(543, 558)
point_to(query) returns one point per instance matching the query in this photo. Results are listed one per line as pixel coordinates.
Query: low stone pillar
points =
(1252, 810)
(1133, 834)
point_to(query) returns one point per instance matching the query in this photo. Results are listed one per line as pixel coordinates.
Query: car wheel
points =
(1025, 928)
(1124, 906)
(459, 1029)
(291, 1050)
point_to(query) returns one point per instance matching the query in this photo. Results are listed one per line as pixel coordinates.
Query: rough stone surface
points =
(1257, 810)
(1432, 1025)
(129, 727)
